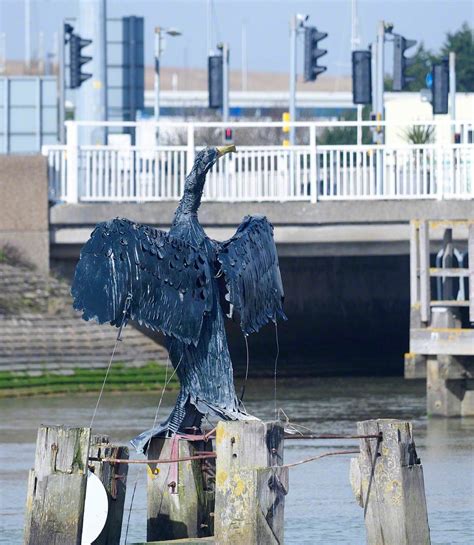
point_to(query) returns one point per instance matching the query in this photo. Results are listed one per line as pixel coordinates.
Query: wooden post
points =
(250, 487)
(114, 479)
(387, 480)
(414, 263)
(471, 271)
(180, 496)
(57, 486)
(425, 291)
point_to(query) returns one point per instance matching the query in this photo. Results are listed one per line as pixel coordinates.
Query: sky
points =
(266, 24)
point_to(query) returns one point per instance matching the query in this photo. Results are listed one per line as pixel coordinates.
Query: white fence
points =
(309, 172)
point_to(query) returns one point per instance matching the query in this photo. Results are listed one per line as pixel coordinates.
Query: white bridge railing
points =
(311, 172)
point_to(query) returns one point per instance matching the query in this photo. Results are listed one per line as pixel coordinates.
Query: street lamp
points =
(159, 31)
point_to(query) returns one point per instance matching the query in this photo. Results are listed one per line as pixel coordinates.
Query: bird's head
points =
(195, 180)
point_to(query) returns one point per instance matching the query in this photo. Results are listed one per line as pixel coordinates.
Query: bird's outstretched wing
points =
(249, 262)
(166, 280)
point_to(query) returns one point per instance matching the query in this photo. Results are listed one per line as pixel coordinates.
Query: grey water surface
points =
(320, 508)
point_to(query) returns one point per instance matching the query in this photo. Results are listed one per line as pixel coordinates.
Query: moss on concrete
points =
(121, 378)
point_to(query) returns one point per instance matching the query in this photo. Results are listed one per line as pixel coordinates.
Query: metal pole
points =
(92, 95)
(27, 35)
(225, 82)
(157, 73)
(379, 77)
(3, 52)
(244, 56)
(452, 91)
(293, 29)
(61, 85)
(355, 43)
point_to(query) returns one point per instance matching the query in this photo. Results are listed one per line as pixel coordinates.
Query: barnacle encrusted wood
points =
(170, 282)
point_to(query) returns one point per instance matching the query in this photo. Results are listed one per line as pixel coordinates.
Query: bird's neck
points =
(190, 202)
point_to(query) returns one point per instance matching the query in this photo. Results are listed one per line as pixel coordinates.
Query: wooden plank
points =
(434, 341)
(425, 290)
(114, 478)
(450, 224)
(439, 271)
(471, 272)
(180, 500)
(57, 486)
(387, 480)
(414, 252)
(449, 303)
(249, 493)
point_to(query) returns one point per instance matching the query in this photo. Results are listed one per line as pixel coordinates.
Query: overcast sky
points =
(266, 23)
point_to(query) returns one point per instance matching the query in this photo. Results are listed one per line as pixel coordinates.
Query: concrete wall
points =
(24, 207)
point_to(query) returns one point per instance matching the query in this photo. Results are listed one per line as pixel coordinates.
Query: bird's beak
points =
(225, 149)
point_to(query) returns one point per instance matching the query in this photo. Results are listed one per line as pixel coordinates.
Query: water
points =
(320, 508)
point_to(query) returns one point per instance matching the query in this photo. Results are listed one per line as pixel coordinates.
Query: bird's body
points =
(172, 284)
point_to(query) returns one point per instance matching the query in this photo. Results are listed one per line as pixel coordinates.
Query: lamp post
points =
(159, 31)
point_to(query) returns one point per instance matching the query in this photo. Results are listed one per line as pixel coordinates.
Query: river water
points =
(320, 508)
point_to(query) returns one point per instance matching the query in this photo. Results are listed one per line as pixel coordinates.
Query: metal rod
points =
(27, 35)
(61, 85)
(244, 67)
(157, 54)
(452, 91)
(293, 30)
(159, 461)
(330, 436)
(379, 77)
(312, 458)
(225, 82)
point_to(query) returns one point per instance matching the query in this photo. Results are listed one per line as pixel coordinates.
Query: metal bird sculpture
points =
(169, 282)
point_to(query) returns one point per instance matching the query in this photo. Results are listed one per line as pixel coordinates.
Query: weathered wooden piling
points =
(250, 487)
(57, 486)
(114, 478)
(441, 337)
(387, 481)
(180, 494)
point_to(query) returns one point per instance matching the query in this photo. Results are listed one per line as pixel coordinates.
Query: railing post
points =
(72, 155)
(313, 165)
(190, 150)
(439, 171)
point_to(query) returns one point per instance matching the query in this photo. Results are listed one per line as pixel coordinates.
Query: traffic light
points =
(77, 60)
(311, 53)
(215, 77)
(401, 63)
(440, 87)
(228, 135)
(362, 77)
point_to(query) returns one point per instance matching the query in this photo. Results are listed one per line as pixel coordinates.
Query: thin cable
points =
(242, 393)
(117, 340)
(275, 370)
(164, 388)
(105, 380)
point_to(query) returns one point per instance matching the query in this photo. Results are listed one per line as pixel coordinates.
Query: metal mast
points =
(92, 96)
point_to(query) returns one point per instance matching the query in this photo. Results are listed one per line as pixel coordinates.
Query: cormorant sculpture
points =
(169, 282)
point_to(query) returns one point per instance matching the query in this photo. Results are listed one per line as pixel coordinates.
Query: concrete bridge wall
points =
(345, 268)
(24, 221)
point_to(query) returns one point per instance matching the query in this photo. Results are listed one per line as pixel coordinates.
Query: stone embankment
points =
(41, 333)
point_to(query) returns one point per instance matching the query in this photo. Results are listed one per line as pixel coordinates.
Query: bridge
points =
(341, 215)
